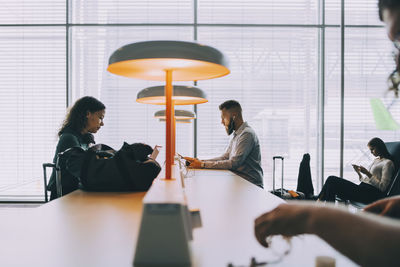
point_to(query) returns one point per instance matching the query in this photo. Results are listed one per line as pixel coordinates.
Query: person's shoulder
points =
(248, 130)
(388, 162)
(68, 136)
(67, 140)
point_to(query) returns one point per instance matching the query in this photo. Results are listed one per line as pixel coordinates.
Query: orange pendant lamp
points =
(169, 61)
(182, 95)
(179, 115)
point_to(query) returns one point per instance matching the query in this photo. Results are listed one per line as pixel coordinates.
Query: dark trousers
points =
(346, 190)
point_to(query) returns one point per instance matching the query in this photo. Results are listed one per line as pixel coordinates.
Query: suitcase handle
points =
(273, 176)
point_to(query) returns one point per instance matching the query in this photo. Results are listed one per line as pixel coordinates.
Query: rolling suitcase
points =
(281, 192)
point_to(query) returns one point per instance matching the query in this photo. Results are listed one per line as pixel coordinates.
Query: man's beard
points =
(231, 127)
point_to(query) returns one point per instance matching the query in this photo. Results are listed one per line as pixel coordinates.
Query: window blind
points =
(274, 76)
(127, 11)
(368, 62)
(32, 12)
(357, 12)
(125, 120)
(32, 104)
(258, 11)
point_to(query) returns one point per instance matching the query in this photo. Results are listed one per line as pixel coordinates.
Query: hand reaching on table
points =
(387, 207)
(286, 220)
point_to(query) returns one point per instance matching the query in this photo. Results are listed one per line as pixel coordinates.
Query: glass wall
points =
(282, 59)
(32, 92)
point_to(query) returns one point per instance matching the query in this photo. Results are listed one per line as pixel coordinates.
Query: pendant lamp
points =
(182, 95)
(179, 115)
(178, 120)
(168, 60)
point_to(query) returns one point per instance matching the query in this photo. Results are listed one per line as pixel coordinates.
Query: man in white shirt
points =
(243, 153)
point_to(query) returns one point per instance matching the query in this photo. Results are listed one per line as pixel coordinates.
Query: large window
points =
(285, 61)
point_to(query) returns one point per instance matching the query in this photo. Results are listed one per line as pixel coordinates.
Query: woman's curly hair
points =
(76, 117)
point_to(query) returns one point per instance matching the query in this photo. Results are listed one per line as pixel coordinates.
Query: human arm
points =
(222, 157)
(386, 175)
(196, 163)
(367, 239)
(241, 150)
(387, 207)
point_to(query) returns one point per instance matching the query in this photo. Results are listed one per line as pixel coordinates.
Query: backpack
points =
(102, 169)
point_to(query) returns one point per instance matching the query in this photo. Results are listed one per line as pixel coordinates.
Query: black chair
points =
(70, 182)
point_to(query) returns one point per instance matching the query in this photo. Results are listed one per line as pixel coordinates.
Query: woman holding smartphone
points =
(374, 180)
(83, 119)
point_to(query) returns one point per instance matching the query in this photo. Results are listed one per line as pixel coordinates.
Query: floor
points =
(27, 191)
(16, 206)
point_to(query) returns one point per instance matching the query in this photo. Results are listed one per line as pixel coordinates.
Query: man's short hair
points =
(387, 4)
(231, 105)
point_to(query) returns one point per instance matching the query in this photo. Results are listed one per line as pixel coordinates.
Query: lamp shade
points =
(178, 120)
(179, 114)
(182, 95)
(150, 59)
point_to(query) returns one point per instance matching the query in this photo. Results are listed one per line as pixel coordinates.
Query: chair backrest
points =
(67, 177)
(46, 165)
(69, 181)
(394, 150)
(394, 187)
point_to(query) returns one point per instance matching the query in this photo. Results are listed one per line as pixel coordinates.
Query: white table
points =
(101, 229)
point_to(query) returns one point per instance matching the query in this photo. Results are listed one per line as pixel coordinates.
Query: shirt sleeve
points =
(223, 157)
(243, 148)
(385, 179)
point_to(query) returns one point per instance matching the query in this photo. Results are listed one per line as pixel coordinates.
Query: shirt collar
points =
(241, 128)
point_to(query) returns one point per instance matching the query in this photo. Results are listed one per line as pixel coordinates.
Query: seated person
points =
(243, 153)
(83, 119)
(374, 181)
(367, 239)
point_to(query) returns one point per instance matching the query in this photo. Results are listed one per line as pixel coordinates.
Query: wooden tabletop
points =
(101, 229)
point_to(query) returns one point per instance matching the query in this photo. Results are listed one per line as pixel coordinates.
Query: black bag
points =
(103, 169)
(304, 182)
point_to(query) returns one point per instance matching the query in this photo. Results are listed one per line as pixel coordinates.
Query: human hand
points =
(363, 170)
(286, 220)
(195, 164)
(189, 159)
(387, 207)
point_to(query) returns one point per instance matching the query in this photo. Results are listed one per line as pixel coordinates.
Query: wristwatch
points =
(203, 165)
